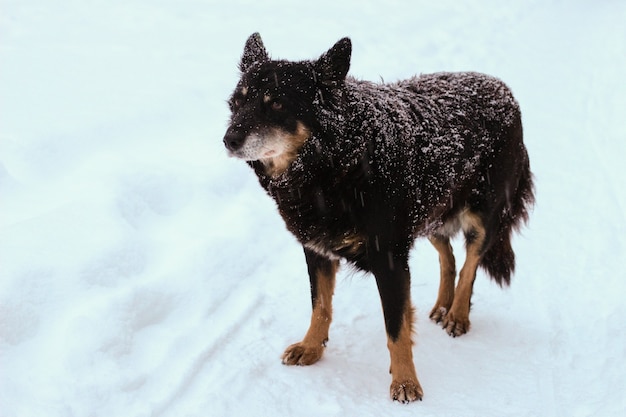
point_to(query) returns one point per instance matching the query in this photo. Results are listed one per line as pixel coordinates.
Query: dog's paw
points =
(438, 313)
(406, 391)
(455, 326)
(302, 354)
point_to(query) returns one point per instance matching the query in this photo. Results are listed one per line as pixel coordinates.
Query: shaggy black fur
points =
(385, 163)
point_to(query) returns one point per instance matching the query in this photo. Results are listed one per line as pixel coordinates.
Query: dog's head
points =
(272, 107)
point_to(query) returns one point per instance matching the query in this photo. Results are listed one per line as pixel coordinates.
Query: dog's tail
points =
(499, 259)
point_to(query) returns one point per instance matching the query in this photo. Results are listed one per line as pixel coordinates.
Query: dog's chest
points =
(325, 217)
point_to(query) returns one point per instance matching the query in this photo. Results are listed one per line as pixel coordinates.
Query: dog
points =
(359, 170)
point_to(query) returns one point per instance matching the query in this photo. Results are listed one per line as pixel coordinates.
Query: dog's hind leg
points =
(457, 322)
(322, 276)
(447, 276)
(393, 280)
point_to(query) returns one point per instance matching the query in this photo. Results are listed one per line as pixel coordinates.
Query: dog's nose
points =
(233, 140)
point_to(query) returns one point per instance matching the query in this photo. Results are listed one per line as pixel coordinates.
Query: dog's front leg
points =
(393, 280)
(322, 276)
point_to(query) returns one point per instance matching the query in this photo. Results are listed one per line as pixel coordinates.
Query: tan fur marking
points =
(244, 91)
(311, 348)
(352, 242)
(267, 98)
(404, 385)
(447, 275)
(457, 320)
(293, 143)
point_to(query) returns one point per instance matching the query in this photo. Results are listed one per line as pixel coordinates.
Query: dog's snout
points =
(233, 140)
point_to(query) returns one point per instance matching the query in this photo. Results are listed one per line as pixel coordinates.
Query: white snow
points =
(144, 273)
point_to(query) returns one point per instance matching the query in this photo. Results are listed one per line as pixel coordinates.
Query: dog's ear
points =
(254, 51)
(333, 66)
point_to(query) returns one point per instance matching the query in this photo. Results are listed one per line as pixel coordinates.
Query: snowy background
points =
(143, 273)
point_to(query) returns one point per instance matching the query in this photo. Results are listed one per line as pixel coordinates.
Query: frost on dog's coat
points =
(359, 170)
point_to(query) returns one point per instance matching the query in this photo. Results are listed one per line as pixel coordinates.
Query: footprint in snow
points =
(145, 194)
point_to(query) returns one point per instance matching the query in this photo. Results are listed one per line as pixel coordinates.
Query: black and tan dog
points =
(360, 170)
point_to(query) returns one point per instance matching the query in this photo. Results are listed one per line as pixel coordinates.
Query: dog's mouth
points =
(255, 149)
(275, 148)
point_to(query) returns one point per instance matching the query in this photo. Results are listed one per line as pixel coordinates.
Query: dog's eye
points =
(237, 102)
(276, 105)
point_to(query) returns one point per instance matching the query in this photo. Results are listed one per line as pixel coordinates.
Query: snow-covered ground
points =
(143, 273)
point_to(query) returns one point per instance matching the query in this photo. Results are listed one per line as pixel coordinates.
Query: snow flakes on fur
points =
(422, 138)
